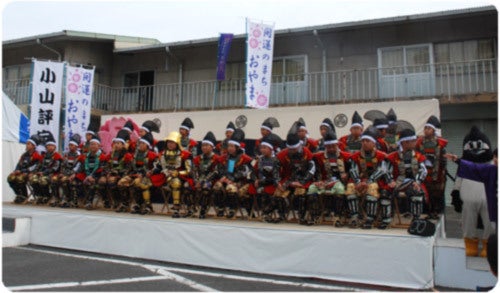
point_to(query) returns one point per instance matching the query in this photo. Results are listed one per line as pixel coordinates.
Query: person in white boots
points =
(469, 197)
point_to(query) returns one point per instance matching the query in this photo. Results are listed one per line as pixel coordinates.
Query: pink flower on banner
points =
(257, 33)
(72, 87)
(254, 43)
(76, 77)
(261, 100)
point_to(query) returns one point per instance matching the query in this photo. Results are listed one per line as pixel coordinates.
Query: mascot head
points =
(477, 147)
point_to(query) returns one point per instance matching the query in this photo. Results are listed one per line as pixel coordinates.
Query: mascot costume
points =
(469, 196)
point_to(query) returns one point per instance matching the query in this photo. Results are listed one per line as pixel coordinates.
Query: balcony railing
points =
(443, 80)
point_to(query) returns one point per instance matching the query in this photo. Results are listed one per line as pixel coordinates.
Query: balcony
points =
(444, 81)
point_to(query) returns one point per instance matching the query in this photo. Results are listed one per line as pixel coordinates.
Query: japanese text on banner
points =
(260, 44)
(46, 93)
(79, 85)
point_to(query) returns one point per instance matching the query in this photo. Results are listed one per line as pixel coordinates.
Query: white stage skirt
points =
(378, 257)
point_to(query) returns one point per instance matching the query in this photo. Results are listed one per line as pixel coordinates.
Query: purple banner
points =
(222, 54)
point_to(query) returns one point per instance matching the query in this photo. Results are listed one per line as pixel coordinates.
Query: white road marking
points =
(163, 270)
(86, 283)
(185, 281)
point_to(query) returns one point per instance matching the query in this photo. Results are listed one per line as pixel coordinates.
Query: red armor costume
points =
(366, 174)
(267, 168)
(90, 170)
(138, 177)
(235, 175)
(221, 147)
(433, 148)
(119, 164)
(331, 177)
(205, 172)
(352, 143)
(44, 182)
(297, 172)
(28, 163)
(188, 143)
(69, 166)
(409, 171)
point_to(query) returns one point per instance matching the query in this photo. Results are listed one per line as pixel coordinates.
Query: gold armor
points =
(175, 137)
(373, 190)
(299, 191)
(350, 189)
(175, 184)
(143, 183)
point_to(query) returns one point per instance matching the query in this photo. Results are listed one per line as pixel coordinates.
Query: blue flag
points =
(222, 54)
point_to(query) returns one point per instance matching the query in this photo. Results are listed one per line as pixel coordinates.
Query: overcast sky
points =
(178, 20)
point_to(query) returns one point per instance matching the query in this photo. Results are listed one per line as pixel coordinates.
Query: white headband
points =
(294, 146)
(267, 144)
(95, 140)
(356, 124)
(369, 138)
(431, 126)
(119, 139)
(234, 142)
(185, 127)
(381, 126)
(207, 141)
(328, 142)
(265, 127)
(326, 124)
(145, 141)
(408, 138)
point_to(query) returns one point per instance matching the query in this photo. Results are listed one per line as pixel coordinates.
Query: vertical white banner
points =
(78, 90)
(46, 90)
(260, 42)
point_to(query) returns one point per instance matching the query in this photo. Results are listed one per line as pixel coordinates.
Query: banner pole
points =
(246, 63)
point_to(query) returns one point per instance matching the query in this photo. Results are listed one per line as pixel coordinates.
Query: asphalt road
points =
(37, 268)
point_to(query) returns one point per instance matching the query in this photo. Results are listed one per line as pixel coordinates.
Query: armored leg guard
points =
(313, 206)
(204, 201)
(189, 202)
(231, 202)
(371, 211)
(219, 202)
(386, 210)
(76, 190)
(281, 207)
(18, 188)
(353, 206)
(328, 204)
(338, 210)
(268, 206)
(416, 205)
(44, 188)
(139, 201)
(89, 199)
(56, 195)
(302, 207)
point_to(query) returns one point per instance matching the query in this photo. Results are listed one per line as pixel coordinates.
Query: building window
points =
(465, 51)
(405, 59)
(139, 87)
(290, 68)
(18, 72)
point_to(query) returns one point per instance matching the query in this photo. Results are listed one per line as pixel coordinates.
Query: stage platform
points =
(390, 257)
